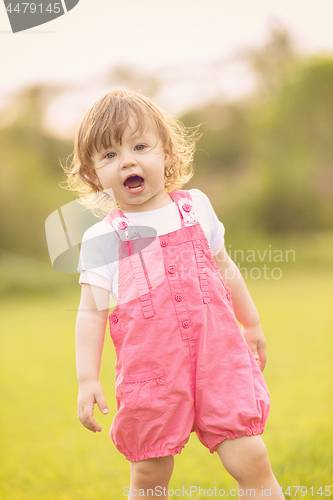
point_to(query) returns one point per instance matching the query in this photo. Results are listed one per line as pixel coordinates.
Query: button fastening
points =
(187, 207)
(178, 297)
(114, 319)
(164, 243)
(171, 270)
(185, 324)
(122, 224)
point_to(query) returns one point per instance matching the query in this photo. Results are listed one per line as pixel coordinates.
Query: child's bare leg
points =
(149, 474)
(246, 459)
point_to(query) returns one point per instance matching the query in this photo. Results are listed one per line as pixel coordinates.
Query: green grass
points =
(47, 454)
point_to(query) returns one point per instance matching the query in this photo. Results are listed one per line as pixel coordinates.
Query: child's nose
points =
(128, 160)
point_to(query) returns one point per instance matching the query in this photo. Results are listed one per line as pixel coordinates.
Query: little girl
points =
(183, 363)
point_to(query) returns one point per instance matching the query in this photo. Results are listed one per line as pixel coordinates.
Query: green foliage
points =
(272, 161)
(31, 174)
(296, 153)
(225, 141)
(265, 162)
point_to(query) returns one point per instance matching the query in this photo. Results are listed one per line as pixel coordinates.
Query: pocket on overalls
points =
(145, 394)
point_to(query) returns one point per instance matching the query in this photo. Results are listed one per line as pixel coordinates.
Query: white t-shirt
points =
(98, 263)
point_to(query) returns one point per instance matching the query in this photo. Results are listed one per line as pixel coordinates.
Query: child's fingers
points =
(101, 402)
(86, 417)
(261, 355)
(260, 361)
(90, 393)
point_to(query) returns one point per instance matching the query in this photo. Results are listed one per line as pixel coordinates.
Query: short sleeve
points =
(212, 226)
(98, 256)
(91, 278)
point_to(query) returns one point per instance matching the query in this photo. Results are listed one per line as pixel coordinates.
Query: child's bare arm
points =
(245, 310)
(89, 340)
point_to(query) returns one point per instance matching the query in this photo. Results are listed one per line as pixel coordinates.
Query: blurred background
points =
(265, 158)
(262, 92)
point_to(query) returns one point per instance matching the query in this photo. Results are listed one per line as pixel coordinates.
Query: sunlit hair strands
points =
(105, 122)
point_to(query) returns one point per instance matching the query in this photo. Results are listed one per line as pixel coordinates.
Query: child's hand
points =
(256, 341)
(91, 392)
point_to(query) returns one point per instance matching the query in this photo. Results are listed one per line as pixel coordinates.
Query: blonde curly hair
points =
(107, 120)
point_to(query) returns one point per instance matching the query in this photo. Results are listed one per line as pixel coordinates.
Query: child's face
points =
(134, 170)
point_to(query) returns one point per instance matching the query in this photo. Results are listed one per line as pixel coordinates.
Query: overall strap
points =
(126, 232)
(122, 226)
(185, 205)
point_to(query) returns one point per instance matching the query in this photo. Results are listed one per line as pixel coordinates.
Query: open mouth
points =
(134, 182)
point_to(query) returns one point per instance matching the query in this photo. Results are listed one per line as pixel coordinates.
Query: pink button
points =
(178, 297)
(164, 243)
(185, 324)
(187, 207)
(114, 319)
(122, 224)
(228, 296)
(171, 270)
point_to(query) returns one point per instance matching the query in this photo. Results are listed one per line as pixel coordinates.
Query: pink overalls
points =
(182, 362)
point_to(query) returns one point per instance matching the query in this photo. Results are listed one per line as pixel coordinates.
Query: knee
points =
(258, 456)
(152, 472)
(256, 450)
(245, 458)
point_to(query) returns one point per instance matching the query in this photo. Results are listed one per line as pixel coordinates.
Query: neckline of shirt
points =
(151, 212)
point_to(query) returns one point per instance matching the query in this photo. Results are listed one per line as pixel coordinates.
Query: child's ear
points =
(167, 157)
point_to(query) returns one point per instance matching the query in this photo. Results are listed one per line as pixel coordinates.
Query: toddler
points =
(183, 363)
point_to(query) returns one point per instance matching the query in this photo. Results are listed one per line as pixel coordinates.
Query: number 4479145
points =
(304, 490)
(32, 8)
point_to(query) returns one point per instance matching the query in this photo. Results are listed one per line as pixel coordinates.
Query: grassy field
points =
(46, 454)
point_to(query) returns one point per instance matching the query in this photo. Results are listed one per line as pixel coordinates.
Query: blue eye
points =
(109, 155)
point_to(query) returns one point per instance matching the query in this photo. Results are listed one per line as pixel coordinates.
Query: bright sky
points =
(151, 33)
